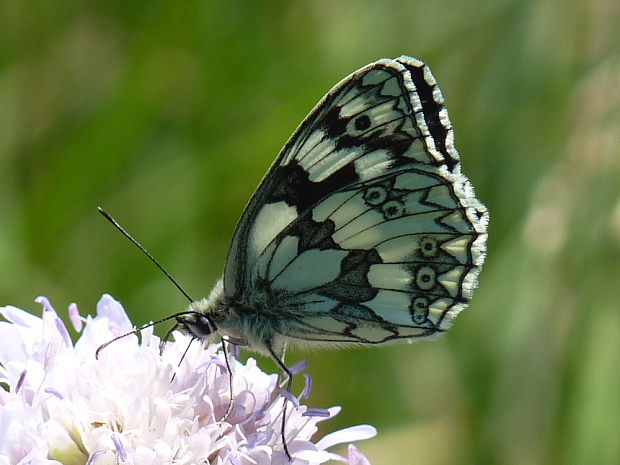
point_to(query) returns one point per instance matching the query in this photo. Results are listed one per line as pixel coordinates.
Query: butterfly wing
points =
(364, 229)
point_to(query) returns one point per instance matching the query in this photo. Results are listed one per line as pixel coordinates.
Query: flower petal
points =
(110, 308)
(356, 457)
(120, 449)
(350, 434)
(299, 367)
(47, 306)
(307, 387)
(317, 412)
(75, 318)
(19, 317)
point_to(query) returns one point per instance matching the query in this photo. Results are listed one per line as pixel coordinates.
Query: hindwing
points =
(364, 229)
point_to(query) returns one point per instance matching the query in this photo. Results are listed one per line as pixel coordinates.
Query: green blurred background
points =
(168, 114)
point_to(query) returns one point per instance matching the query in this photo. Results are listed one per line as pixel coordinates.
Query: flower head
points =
(137, 405)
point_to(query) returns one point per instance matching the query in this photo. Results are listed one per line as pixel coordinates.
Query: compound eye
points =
(198, 325)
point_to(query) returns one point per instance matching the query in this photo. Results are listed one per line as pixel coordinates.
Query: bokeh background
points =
(169, 113)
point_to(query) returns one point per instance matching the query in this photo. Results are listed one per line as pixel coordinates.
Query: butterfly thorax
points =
(243, 322)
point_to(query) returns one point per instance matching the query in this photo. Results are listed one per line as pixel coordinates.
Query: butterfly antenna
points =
(115, 223)
(137, 330)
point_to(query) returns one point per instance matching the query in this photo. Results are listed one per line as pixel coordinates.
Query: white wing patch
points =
(309, 270)
(373, 164)
(269, 221)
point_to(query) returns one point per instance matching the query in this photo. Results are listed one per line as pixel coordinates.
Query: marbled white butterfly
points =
(363, 231)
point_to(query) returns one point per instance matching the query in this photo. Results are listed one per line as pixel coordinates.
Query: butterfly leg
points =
(231, 403)
(161, 349)
(289, 383)
(165, 339)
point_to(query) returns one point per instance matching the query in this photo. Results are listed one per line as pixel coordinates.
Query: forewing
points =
(364, 229)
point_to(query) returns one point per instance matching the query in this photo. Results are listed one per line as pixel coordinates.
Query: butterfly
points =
(363, 231)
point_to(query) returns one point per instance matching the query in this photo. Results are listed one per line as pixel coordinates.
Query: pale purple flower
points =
(135, 405)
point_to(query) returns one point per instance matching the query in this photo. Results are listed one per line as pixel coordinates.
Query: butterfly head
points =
(196, 324)
(199, 320)
(206, 318)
